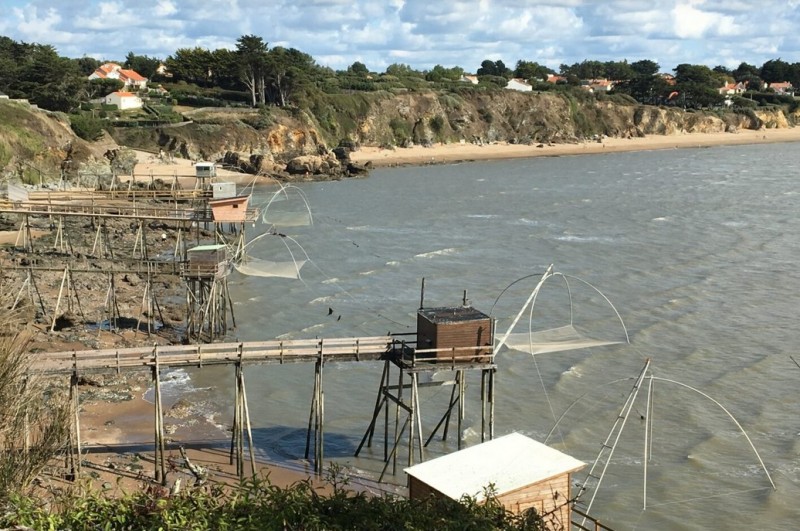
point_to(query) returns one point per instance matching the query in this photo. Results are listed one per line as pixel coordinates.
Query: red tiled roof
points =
(132, 75)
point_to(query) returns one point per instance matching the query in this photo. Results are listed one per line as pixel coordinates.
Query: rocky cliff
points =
(296, 143)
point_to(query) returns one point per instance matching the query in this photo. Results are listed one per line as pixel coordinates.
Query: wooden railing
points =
(276, 351)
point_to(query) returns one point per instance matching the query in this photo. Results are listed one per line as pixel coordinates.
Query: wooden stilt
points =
(75, 469)
(247, 418)
(379, 401)
(397, 421)
(58, 301)
(159, 453)
(412, 418)
(491, 403)
(418, 410)
(461, 409)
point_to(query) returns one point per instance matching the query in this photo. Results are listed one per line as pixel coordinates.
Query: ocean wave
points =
(318, 300)
(440, 252)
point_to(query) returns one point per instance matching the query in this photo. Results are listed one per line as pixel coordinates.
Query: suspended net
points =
(287, 207)
(558, 338)
(268, 268)
(553, 340)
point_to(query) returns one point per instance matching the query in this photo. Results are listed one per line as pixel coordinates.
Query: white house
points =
(123, 100)
(782, 88)
(466, 78)
(519, 84)
(130, 78)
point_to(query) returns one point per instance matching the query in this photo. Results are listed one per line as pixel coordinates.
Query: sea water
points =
(696, 249)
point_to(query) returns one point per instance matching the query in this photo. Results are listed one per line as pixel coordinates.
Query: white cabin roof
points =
(509, 463)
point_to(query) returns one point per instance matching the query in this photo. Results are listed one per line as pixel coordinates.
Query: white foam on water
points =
(440, 252)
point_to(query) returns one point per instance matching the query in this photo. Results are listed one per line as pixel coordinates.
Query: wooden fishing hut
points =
(525, 474)
(205, 170)
(457, 340)
(207, 297)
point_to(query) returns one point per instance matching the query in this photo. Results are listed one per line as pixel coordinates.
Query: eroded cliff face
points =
(282, 142)
(35, 145)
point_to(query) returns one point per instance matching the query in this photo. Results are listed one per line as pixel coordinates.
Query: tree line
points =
(258, 75)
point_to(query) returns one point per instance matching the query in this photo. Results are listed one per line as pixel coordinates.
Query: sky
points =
(422, 33)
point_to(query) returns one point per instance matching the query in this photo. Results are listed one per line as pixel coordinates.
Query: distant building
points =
(123, 100)
(130, 78)
(519, 84)
(732, 89)
(668, 78)
(552, 78)
(784, 87)
(469, 79)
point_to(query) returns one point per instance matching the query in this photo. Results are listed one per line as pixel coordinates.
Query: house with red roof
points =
(784, 87)
(131, 79)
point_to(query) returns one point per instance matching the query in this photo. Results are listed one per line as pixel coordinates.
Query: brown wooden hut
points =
(525, 474)
(455, 332)
(229, 209)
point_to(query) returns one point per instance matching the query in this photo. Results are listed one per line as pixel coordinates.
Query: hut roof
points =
(210, 247)
(509, 463)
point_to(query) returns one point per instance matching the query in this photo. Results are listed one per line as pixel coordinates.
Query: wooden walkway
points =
(348, 349)
(276, 351)
(118, 211)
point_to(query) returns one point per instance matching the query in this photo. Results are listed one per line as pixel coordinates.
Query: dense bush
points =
(258, 505)
(86, 126)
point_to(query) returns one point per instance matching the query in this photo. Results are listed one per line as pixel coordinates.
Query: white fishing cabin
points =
(525, 474)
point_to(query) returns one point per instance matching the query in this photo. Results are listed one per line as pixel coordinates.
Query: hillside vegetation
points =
(37, 144)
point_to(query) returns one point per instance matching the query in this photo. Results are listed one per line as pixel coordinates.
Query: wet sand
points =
(452, 153)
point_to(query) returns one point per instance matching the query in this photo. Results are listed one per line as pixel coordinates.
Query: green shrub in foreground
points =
(258, 505)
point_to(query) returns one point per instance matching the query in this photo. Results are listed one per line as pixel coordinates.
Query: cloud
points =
(422, 33)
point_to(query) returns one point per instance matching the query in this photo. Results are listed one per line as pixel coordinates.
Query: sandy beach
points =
(452, 153)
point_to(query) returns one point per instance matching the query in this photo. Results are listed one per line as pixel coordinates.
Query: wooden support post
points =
(483, 405)
(397, 420)
(412, 418)
(160, 461)
(379, 401)
(418, 410)
(75, 438)
(247, 415)
(462, 387)
(58, 301)
(491, 403)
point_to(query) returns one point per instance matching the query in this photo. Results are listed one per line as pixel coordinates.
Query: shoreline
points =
(465, 152)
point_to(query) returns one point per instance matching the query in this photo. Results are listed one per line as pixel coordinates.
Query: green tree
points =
(287, 71)
(97, 88)
(698, 85)
(440, 73)
(494, 68)
(645, 67)
(619, 71)
(251, 56)
(531, 70)
(192, 65)
(142, 64)
(358, 68)
(776, 71)
(86, 65)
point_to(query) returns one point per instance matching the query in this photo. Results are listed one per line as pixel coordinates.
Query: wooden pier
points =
(391, 349)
